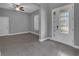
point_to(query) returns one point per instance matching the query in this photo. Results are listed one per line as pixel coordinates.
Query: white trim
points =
(20, 33)
(15, 33)
(77, 47)
(34, 33)
(42, 40)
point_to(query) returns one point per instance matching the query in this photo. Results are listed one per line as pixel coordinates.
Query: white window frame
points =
(36, 22)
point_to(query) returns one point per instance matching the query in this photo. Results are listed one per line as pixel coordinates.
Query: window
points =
(64, 22)
(36, 22)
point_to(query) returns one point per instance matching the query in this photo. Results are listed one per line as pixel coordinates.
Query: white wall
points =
(18, 21)
(43, 21)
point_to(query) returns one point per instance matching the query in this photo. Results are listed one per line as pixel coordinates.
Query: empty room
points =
(39, 29)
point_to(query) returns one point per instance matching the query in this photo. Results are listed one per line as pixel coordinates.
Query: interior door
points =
(4, 26)
(63, 24)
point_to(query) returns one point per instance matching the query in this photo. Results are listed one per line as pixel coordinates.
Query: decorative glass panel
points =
(64, 22)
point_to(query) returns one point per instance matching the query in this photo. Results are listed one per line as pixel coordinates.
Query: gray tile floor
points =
(28, 45)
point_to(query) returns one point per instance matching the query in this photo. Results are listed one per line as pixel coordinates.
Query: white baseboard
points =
(76, 47)
(20, 33)
(47, 38)
(42, 40)
(34, 33)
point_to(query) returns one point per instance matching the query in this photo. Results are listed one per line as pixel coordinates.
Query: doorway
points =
(4, 26)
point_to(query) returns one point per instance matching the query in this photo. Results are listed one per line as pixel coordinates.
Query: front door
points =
(63, 24)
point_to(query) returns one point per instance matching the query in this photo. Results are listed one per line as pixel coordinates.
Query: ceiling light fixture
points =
(19, 7)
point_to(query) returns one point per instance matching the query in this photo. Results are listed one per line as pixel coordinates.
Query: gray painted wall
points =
(76, 24)
(19, 22)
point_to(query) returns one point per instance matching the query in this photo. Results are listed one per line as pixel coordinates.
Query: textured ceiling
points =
(28, 7)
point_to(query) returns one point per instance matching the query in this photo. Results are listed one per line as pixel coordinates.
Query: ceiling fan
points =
(23, 7)
(19, 7)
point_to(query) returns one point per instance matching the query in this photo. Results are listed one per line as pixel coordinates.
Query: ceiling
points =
(28, 7)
